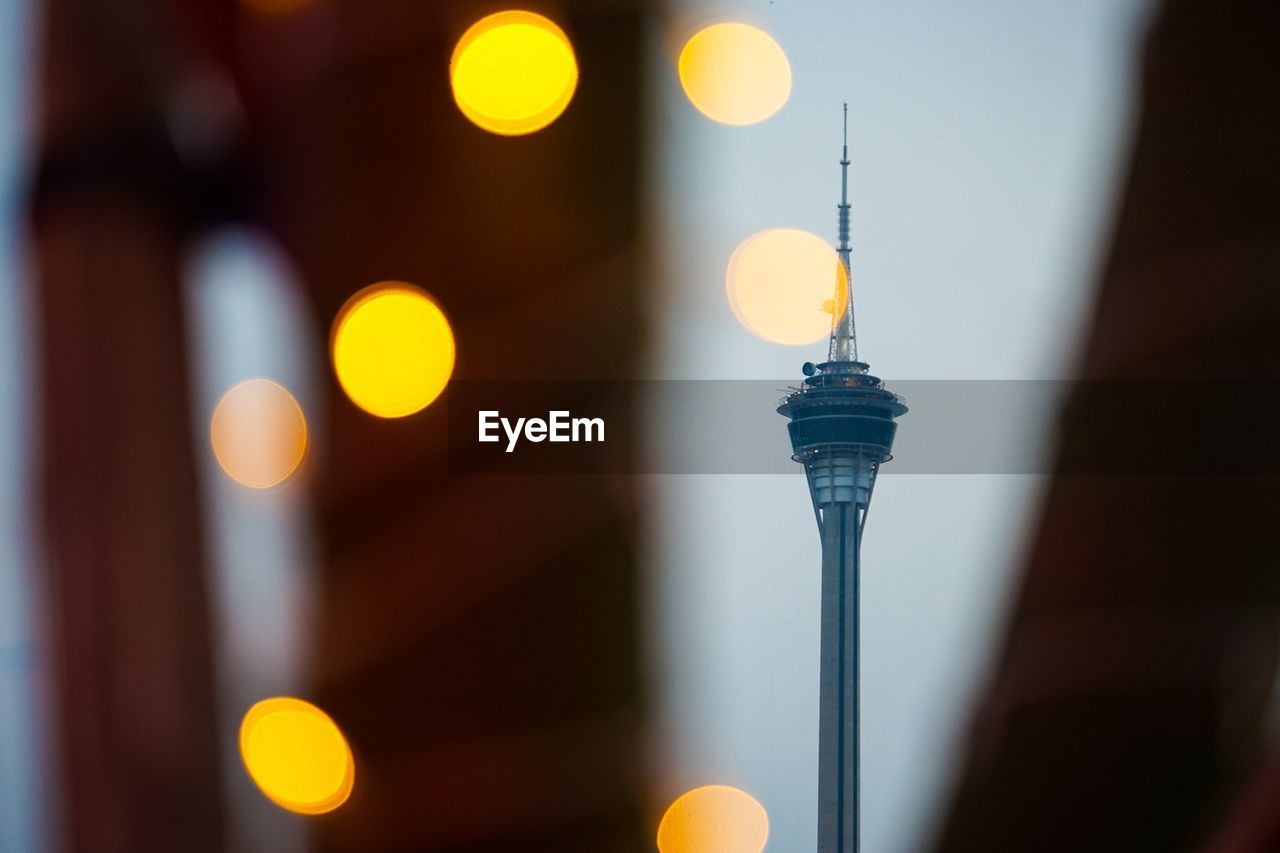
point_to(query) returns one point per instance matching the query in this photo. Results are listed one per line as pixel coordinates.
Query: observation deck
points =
(841, 407)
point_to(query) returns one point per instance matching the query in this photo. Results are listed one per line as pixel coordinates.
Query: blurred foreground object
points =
(297, 755)
(1131, 700)
(735, 73)
(477, 635)
(513, 72)
(714, 819)
(130, 617)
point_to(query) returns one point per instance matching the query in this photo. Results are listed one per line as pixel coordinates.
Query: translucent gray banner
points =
(952, 427)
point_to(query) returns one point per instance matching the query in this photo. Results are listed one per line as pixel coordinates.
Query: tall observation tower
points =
(842, 427)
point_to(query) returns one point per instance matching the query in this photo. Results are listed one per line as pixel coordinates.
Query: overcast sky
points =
(984, 138)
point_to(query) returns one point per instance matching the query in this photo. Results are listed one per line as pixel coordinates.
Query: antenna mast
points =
(844, 339)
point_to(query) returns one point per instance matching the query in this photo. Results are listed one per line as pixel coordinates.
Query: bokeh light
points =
(784, 285)
(513, 72)
(714, 819)
(296, 755)
(392, 349)
(258, 433)
(735, 73)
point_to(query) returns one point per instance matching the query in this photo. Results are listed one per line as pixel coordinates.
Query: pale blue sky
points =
(18, 654)
(984, 138)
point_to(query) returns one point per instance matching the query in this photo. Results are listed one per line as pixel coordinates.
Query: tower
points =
(842, 428)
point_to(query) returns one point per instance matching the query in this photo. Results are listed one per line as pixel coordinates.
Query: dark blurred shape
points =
(1129, 705)
(478, 634)
(1254, 824)
(129, 620)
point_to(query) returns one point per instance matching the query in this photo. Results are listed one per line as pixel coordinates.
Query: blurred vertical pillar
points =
(478, 634)
(1131, 697)
(127, 586)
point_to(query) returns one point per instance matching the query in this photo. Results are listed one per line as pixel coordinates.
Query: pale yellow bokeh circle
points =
(258, 433)
(392, 349)
(513, 72)
(714, 819)
(784, 285)
(735, 73)
(296, 755)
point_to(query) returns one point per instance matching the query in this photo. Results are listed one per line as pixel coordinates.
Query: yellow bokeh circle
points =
(296, 755)
(714, 819)
(392, 349)
(785, 284)
(735, 73)
(258, 433)
(513, 72)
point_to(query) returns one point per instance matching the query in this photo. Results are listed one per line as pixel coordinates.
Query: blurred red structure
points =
(477, 635)
(1130, 703)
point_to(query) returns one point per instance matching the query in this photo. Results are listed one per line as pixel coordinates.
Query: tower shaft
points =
(842, 429)
(841, 491)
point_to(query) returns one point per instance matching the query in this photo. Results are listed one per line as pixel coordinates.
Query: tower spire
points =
(844, 338)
